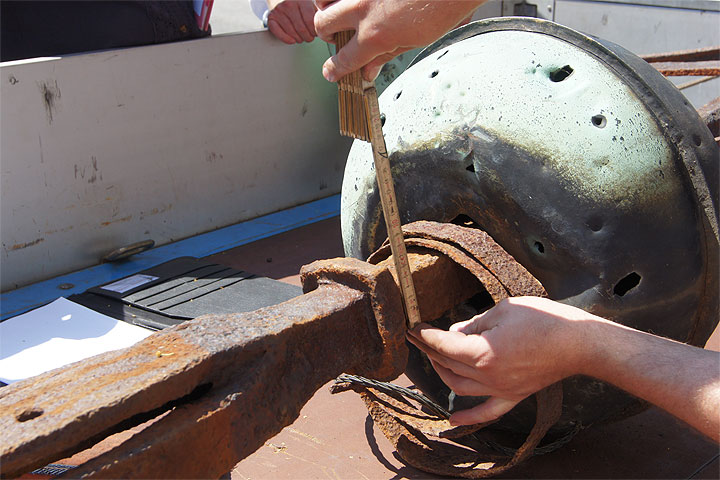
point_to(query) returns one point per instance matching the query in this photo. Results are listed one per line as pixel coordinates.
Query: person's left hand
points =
(518, 347)
(292, 21)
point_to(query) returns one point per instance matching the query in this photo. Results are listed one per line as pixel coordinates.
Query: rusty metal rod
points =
(683, 69)
(694, 82)
(698, 55)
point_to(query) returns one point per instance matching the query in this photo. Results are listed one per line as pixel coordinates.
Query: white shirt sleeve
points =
(260, 9)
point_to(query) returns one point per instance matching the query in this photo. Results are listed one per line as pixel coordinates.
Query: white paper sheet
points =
(126, 284)
(57, 334)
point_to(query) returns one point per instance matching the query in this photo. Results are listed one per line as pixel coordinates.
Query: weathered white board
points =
(161, 142)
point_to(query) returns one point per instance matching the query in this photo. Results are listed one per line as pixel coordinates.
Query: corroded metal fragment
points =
(475, 251)
(411, 431)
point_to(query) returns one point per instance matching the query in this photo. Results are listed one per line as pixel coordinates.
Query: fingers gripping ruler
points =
(360, 118)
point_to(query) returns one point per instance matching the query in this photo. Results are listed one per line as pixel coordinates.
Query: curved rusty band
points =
(407, 427)
(473, 250)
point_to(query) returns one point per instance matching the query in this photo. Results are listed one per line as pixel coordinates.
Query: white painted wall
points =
(101, 150)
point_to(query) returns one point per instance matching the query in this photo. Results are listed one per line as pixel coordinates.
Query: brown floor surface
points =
(333, 438)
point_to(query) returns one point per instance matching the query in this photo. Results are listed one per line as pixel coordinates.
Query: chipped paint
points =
(90, 171)
(50, 93)
(20, 246)
(119, 220)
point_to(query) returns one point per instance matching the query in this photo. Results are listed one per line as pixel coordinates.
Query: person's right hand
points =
(384, 29)
(291, 21)
(526, 343)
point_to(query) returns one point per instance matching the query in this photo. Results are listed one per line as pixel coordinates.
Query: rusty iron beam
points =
(220, 385)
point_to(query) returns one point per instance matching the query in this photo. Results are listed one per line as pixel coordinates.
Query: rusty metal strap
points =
(407, 427)
(474, 250)
(409, 430)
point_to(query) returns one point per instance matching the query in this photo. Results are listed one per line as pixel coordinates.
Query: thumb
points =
(492, 409)
(372, 69)
(347, 60)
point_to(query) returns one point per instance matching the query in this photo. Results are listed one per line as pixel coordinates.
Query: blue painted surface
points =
(23, 299)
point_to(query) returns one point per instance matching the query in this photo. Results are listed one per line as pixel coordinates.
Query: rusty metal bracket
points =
(377, 283)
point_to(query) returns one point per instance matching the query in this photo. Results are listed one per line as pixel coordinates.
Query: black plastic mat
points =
(182, 289)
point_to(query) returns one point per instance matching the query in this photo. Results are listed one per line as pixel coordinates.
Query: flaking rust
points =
(220, 385)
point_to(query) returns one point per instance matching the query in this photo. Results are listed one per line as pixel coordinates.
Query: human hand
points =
(291, 21)
(384, 29)
(518, 347)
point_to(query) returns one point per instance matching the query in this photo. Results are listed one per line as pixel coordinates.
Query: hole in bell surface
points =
(599, 121)
(561, 74)
(464, 221)
(626, 284)
(594, 223)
